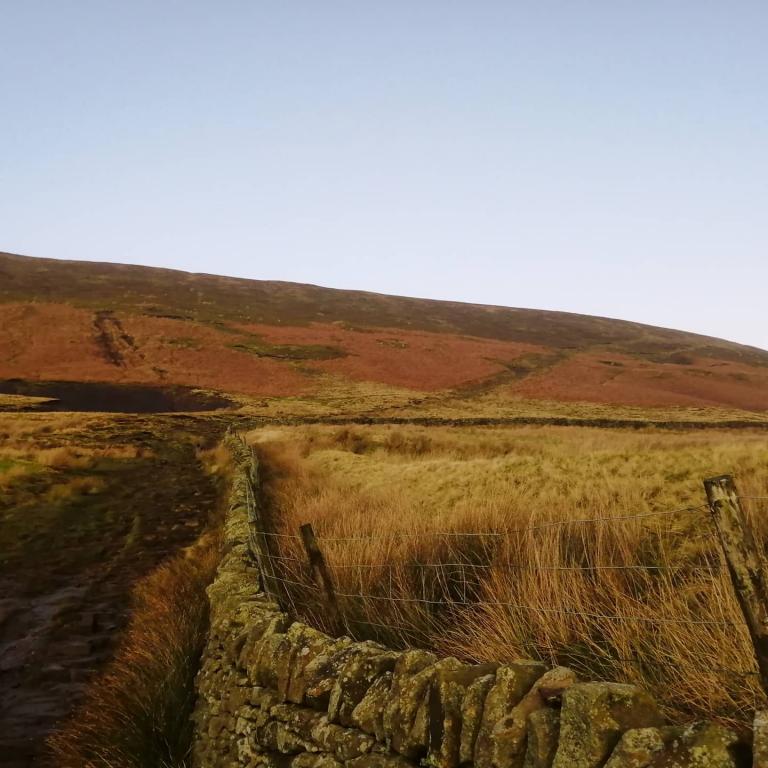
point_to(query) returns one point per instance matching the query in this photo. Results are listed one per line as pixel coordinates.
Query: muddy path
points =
(65, 582)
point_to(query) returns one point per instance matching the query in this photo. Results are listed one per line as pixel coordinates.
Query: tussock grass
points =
(336, 396)
(31, 444)
(69, 457)
(638, 599)
(136, 713)
(73, 487)
(500, 403)
(217, 461)
(21, 402)
(28, 425)
(13, 468)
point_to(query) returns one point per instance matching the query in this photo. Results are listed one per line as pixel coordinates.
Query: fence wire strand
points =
(503, 532)
(508, 531)
(502, 565)
(535, 608)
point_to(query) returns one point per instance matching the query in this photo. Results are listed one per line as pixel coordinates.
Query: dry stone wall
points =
(277, 693)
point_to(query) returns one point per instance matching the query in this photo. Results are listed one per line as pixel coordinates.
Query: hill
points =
(82, 321)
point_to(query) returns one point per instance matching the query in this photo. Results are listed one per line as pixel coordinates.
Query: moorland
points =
(488, 435)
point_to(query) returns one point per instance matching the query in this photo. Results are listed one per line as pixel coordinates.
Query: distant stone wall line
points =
(504, 421)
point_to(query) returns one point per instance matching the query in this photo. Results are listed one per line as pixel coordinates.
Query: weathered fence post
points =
(320, 571)
(745, 564)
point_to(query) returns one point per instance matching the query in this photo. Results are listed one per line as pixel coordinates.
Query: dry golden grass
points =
(335, 396)
(15, 426)
(74, 486)
(68, 457)
(642, 599)
(496, 404)
(21, 402)
(136, 713)
(217, 461)
(37, 443)
(25, 453)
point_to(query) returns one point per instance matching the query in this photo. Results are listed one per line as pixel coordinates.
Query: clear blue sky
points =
(607, 157)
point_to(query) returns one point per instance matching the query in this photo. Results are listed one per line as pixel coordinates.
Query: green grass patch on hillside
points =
(259, 348)
(183, 342)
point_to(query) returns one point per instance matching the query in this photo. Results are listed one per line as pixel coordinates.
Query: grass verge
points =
(136, 713)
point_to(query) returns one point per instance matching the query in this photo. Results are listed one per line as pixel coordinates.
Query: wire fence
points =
(350, 582)
(500, 533)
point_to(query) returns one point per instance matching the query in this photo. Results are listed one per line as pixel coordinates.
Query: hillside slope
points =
(82, 321)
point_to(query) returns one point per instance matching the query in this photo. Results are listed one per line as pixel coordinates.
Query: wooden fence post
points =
(320, 572)
(745, 564)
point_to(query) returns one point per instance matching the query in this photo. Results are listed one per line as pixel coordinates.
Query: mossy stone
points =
(510, 734)
(700, 745)
(321, 673)
(543, 734)
(447, 691)
(472, 715)
(368, 715)
(512, 682)
(353, 681)
(594, 717)
(410, 664)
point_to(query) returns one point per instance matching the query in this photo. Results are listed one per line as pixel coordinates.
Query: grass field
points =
(630, 595)
(498, 403)
(468, 540)
(336, 397)
(58, 473)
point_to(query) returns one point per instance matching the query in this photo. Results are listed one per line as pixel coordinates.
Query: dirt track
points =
(64, 603)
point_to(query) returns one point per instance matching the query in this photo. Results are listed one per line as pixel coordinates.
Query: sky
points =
(606, 157)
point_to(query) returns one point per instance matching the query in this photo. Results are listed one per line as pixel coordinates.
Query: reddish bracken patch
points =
(58, 342)
(624, 380)
(52, 341)
(411, 359)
